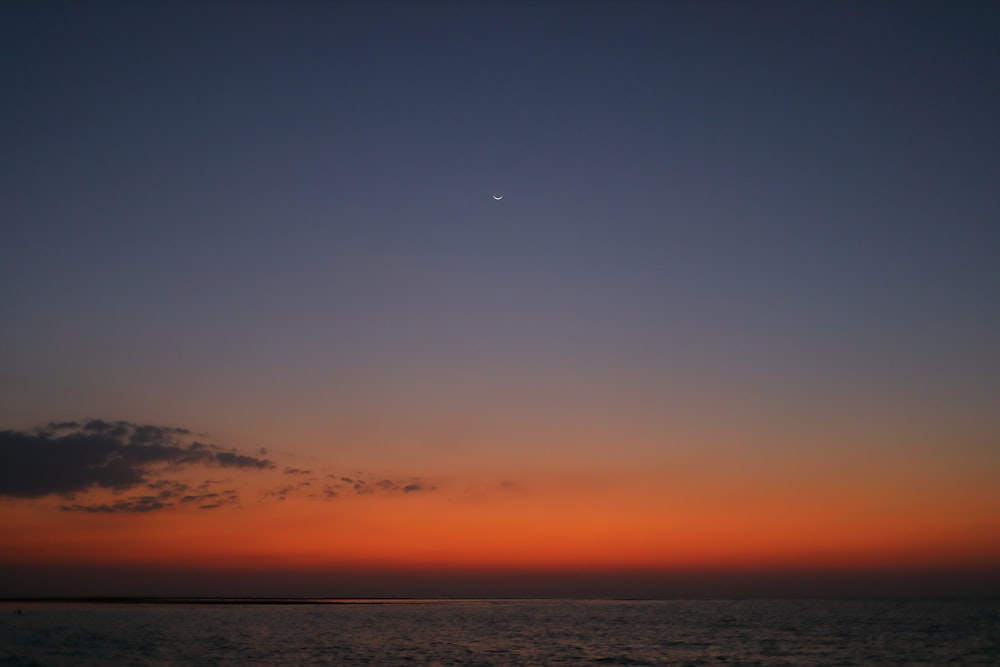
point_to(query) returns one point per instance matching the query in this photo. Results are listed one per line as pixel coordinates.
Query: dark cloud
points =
(167, 488)
(169, 493)
(71, 458)
(283, 492)
(209, 501)
(142, 435)
(68, 457)
(134, 504)
(334, 486)
(241, 461)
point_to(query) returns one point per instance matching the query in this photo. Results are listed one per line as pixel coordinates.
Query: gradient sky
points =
(737, 310)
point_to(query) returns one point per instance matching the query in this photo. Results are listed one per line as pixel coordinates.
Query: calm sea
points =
(505, 632)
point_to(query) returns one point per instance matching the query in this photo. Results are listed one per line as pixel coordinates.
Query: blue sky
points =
(210, 188)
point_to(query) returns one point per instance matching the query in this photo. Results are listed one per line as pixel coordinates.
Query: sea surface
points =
(504, 632)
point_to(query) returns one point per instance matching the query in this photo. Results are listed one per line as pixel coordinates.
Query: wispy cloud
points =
(331, 487)
(134, 504)
(169, 494)
(363, 486)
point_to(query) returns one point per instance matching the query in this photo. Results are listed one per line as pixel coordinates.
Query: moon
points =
(498, 197)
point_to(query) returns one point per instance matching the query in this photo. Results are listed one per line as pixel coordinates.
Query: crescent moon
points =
(498, 198)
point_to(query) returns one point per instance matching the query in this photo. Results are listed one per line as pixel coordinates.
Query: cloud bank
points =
(150, 468)
(64, 458)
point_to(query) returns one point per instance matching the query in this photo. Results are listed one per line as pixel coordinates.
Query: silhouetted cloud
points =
(169, 493)
(167, 488)
(138, 464)
(68, 457)
(241, 461)
(208, 501)
(338, 486)
(135, 504)
(141, 504)
(281, 493)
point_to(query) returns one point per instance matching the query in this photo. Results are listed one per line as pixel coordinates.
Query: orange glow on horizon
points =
(551, 524)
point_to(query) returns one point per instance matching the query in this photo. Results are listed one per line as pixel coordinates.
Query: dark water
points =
(506, 632)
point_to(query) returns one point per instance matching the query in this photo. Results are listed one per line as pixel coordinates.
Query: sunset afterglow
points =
(638, 299)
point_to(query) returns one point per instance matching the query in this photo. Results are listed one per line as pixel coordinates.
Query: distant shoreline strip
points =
(252, 600)
(215, 601)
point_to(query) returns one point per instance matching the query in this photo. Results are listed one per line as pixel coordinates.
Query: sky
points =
(732, 327)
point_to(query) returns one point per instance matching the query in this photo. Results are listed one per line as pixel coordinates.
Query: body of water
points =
(504, 632)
